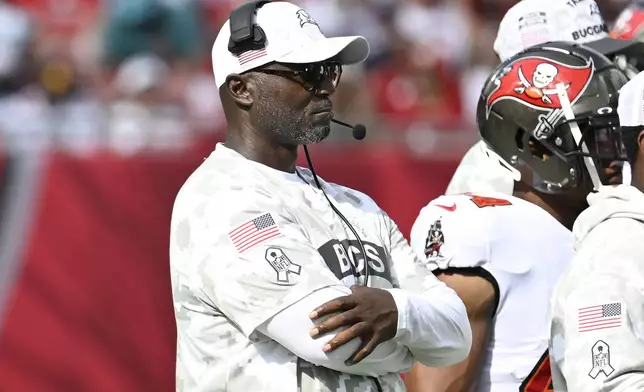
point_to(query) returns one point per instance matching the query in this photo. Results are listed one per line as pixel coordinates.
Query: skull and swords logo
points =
(533, 81)
(543, 75)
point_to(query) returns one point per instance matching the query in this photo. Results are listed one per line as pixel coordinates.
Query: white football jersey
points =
(248, 241)
(524, 249)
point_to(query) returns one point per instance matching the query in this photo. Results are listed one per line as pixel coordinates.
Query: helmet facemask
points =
(574, 153)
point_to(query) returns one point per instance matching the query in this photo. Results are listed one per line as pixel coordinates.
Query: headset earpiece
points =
(246, 35)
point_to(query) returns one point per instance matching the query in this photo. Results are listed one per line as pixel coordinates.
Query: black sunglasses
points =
(310, 76)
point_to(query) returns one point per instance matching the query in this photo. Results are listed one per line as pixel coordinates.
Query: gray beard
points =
(314, 135)
(288, 125)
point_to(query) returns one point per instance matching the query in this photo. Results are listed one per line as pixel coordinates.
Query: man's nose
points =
(326, 88)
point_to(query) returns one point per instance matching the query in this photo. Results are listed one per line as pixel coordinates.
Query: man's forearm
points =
(433, 325)
(291, 329)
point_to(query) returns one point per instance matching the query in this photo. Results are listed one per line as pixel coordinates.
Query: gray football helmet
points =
(549, 113)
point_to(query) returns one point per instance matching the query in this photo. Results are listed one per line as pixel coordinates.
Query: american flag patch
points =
(251, 55)
(533, 37)
(593, 318)
(254, 232)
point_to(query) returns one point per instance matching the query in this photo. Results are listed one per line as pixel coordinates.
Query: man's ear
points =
(640, 142)
(238, 87)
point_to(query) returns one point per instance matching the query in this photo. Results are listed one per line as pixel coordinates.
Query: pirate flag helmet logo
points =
(435, 240)
(533, 81)
(545, 111)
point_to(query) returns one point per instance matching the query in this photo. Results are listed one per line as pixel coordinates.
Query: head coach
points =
(282, 281)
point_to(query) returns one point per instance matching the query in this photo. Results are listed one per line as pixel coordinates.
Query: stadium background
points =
(97, 135)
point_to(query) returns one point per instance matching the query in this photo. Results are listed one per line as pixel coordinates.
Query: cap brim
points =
(345, 50)
(611, 46)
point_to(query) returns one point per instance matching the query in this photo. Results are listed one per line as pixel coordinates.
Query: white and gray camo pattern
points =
(597, 309)
(221, 296)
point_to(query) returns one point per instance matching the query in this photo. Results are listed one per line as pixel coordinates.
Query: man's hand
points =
(371, 315)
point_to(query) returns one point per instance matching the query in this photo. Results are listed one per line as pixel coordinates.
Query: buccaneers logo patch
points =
(435, 240)
(305, 18)
(533, 82)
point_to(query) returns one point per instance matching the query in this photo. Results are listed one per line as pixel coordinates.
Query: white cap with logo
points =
(292, 36)
(533, 22)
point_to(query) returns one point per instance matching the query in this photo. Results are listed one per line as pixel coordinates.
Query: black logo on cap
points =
(306, 18)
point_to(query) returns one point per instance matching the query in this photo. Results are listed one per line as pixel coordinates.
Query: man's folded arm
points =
(291, 327)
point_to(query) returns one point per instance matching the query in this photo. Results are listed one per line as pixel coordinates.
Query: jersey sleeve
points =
(255, 259)
(432, 320)
(596, 336)
(445, 236)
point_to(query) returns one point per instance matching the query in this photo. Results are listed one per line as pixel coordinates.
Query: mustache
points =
(324, 106)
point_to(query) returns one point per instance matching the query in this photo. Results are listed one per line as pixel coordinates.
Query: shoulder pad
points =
(450, 233)
(455, 230)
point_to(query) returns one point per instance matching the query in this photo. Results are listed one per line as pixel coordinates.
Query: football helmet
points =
(549, 114)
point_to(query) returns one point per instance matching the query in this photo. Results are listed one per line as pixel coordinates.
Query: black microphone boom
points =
(359, 131)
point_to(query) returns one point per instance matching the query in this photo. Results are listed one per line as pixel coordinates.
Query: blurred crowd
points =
(135, 76)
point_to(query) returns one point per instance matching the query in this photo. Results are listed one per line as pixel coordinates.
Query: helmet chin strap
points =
(627, 176)
(577, 135)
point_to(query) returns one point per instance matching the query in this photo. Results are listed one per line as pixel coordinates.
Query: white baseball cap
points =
(292, 36)
(533, 22)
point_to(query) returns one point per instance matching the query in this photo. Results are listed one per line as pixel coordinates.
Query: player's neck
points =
(638, 175)
(262, 151)
(565, 215)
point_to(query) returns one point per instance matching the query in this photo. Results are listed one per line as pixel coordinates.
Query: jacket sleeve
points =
(291, 329)
(597, 336)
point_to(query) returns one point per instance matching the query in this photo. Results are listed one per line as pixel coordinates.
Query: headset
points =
(246, 35)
